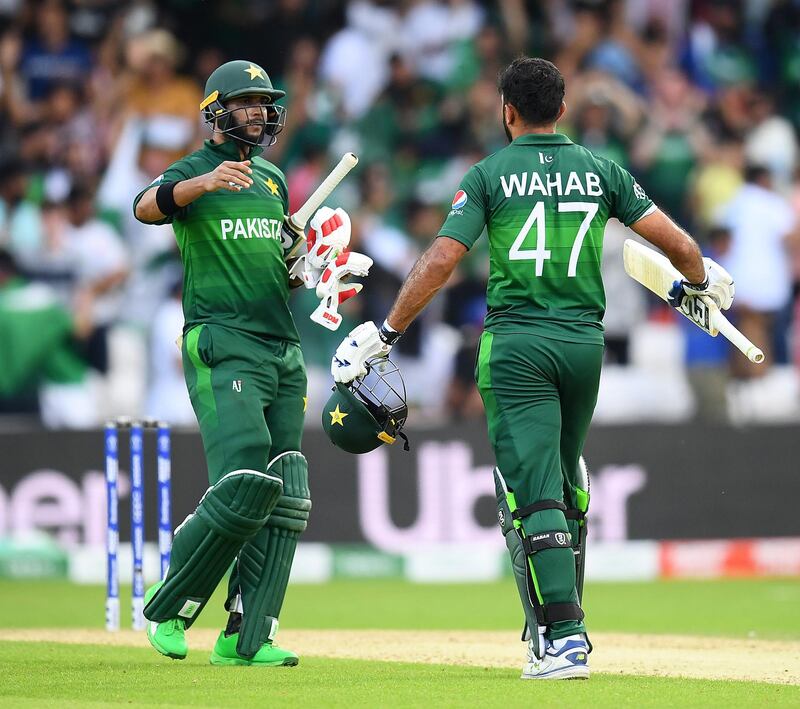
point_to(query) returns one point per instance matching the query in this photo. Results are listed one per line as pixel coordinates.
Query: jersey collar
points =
(231, 151)
(542, 139)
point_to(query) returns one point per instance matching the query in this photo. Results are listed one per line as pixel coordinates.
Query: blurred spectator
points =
(167, 398)
(353, 65)
(40, 352)
(625, 300)
(707, 357)
(771, 141)
(715, 53)
(604, 117)
(762, 226)
(100, 266)
(157, 93)
(20, 218)
(714, 184)
(672, 142)
(51, 56)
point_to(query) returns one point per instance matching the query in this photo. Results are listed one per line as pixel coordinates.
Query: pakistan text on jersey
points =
(553, 184)
(250, 228)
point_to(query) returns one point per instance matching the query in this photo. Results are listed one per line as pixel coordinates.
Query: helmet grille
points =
(384, 393)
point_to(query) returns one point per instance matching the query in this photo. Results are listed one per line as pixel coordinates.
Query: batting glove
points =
(328, 236)
(331, 290)
(718, 286)
(361, 345)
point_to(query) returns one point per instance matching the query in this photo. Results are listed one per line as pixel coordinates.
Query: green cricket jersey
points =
(230, 244)
(544, 202)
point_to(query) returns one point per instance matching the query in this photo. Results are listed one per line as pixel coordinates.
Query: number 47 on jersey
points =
(541, 253)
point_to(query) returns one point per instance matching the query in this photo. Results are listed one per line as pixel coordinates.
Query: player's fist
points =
(230, 175)
(362, 344)
(328, 236)
(718, 286)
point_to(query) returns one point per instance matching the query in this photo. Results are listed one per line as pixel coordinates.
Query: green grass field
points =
(53, 674)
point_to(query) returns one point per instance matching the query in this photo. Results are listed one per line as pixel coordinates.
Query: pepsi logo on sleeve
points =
(459, 200)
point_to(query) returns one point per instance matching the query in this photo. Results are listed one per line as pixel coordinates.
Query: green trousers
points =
(539, 395)
(248, 394)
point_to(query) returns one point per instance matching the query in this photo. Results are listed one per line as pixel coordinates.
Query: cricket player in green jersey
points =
(544, 203)
(243, 368)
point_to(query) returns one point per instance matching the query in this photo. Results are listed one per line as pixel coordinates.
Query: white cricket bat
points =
(655, 272)
(297, 221)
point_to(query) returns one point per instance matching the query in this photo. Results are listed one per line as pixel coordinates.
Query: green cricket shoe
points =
(224, 653)
(169, 637)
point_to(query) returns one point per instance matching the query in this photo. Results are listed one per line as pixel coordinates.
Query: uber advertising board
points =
(647, 482)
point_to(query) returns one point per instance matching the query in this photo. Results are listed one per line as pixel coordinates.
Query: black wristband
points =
(699, 286)
(387, 334)
(165, 200)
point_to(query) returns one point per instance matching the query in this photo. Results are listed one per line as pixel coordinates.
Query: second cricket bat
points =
(655, 272)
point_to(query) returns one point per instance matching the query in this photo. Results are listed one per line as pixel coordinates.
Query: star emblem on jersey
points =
(255, 71)
(271, 185)
(337, 416)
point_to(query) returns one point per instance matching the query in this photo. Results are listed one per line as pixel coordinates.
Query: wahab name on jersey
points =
(544, 203)
(230, 244)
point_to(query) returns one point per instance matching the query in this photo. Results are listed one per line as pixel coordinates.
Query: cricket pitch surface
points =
(614, 653)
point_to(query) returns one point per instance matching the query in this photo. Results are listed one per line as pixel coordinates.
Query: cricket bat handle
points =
(736, 338)
(300, 218)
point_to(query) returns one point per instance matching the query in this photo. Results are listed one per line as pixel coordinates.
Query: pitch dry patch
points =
(615, 653)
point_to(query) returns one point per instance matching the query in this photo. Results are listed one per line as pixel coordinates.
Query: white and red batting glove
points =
(332, 291)
(328, 236)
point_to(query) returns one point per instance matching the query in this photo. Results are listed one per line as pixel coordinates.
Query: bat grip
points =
(737, 339)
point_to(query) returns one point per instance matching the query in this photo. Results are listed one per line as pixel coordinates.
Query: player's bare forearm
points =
(680, 248)
(430, 273)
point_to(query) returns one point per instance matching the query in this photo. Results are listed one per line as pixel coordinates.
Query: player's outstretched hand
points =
(362, 344)
(718, 286)
(229, 175)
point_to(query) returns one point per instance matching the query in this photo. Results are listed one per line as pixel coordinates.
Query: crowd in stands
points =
(698, 98)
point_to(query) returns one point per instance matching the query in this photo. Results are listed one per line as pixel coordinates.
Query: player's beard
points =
(505, 126)
(245, 130)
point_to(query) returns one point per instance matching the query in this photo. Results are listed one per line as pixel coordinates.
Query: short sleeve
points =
(284, 190)
(468, 212)
(629, 202)
(177, 171)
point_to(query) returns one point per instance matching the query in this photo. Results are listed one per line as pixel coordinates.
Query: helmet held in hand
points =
(369, 411)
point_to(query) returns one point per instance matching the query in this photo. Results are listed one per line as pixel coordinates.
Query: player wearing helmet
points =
(243, 368)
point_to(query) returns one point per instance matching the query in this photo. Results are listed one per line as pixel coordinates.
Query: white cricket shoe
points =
(565, 658)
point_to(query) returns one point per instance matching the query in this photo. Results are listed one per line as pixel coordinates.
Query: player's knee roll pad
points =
(294, 506)
(238, 504)
(266, 561)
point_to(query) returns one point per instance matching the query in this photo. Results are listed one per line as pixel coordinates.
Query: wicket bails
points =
(163, 446)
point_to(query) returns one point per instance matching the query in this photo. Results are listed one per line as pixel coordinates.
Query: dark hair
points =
(534, 87)
(80, 192)
(754, 172)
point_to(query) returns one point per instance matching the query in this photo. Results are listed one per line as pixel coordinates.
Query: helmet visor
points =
(384, 393)
(257, 123)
